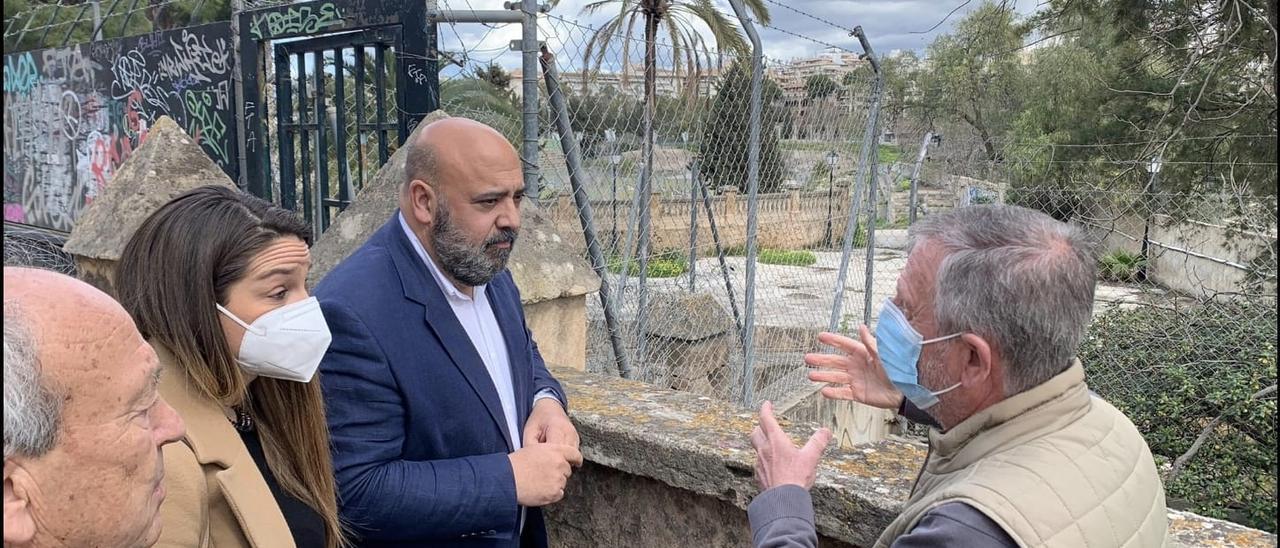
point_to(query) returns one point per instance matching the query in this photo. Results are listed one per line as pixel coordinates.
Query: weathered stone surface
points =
(699, 448)
(1187, 530)
(167, 164)
(544, 265)
(560, 327)
(701, 445)
(687, 317)
(605, 507)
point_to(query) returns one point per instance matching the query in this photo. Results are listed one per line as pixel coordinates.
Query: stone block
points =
(688, 340)
(168, 163)
(560, 327)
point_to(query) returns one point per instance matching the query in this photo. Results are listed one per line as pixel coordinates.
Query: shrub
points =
(1120, 266)
(665, 265)
(1173, 371)
(900, 222)
(788, 258)
(887, 154)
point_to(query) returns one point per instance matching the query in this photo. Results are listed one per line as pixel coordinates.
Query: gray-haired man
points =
(83, 422)
(979, 342)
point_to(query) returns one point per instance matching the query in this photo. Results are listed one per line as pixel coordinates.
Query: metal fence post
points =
(529, 99)
(753, 202)
(855, 200)
(693, 224)
(915, 177)
(872, 209)
(583, 202)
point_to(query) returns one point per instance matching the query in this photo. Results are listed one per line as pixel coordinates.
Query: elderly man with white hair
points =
(83, 421)
(980, 343)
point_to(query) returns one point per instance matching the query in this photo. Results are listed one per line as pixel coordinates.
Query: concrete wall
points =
(1197, 258)
(787, 220)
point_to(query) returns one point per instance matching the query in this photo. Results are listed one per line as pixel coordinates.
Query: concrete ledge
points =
(700, 447)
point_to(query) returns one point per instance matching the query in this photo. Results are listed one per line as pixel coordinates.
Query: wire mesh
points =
(45, 24)
(36, 248)
(685, 331)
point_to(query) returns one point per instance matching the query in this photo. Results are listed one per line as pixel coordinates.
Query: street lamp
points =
(832, 159)
(615, 159)
(1153, 167)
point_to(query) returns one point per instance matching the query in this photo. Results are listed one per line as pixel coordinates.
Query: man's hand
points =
(548, 423)
(541, 471)
(857, 373)
(778, 461)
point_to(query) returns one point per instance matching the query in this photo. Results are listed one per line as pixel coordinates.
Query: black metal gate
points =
(352, 78)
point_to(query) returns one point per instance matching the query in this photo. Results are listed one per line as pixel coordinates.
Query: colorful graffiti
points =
(20, 74)
(295, 20)
(74, 114)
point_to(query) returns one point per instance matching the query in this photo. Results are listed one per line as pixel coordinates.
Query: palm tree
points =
(690, 53)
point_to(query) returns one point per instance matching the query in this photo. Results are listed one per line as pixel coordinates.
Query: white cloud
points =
(889, 25)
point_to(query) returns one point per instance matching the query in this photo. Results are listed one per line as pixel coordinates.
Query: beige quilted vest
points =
(1053, 466)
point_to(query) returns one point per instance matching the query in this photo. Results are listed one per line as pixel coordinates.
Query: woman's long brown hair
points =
(182, 260)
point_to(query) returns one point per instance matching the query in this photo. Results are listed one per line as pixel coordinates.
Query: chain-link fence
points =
(36, 24)
(680, 286)
(1184, 324)
(35, 248)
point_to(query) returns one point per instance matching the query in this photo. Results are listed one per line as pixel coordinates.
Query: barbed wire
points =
(811, 16)
(802, 37)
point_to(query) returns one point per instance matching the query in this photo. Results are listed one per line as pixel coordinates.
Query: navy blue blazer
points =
(420, 442)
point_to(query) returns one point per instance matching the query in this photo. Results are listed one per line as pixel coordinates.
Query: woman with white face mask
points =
(215, 280)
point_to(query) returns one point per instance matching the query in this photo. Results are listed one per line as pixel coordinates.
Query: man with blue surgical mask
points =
(979, 343)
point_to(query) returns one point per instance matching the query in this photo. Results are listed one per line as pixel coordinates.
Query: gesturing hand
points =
(778, 461)
(856, 373)
(548, 423)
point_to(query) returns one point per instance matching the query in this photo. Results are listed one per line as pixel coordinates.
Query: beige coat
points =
(214, 494)
(1053, 466)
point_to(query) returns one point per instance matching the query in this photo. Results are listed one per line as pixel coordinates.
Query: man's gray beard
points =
(461, 260)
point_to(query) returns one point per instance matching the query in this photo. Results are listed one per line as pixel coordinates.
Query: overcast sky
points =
(890, 25)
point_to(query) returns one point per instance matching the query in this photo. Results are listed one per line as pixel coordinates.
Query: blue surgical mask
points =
(899, 347)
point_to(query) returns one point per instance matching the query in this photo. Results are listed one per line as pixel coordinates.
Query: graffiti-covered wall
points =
(73, 114)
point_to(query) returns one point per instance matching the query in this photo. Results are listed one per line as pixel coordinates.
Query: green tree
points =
(1193, 81)
(36, 24)
(899, 85)
(481, 100)
(724, 140)
(690, 48)
(974, 74)
(819, 86)
(493, 74)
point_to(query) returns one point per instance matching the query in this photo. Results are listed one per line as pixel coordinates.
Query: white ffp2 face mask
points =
(285, 343)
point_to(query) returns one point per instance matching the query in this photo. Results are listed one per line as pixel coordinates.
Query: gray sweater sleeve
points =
(955, 524)
(782, 517)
